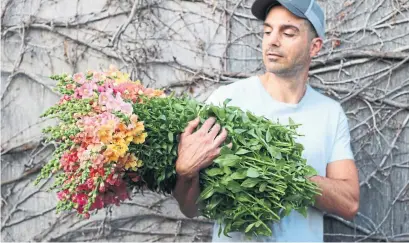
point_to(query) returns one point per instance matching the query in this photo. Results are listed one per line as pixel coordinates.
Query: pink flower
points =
(86, 90)
(118, 104)
(81, 199)
(79, 78)
(102, 187)
(105, 97)
(98, 204)
(98, 160)
(113, 179)
(97, 76)
(62, 195)
(64, 99)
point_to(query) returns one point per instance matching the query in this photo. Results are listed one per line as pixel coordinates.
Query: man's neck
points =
(284, 89)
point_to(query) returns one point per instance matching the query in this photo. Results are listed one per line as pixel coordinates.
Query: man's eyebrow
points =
(290, 26)
(284, 26)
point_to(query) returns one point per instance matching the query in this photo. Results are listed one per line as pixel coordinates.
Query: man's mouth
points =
(273, 54)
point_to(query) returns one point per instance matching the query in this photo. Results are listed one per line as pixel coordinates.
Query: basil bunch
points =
(258, 181)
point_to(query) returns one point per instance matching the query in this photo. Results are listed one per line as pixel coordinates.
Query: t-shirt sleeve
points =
(342, 143)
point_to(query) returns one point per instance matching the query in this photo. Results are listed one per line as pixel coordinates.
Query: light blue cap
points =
(306, 9)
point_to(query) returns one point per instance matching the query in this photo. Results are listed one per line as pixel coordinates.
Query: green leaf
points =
(258, 223)
(231, 117)
(242, 151)
(288, 209)
(245, 118)
(243, 198)
(227, 170)
(238, 175)
(291, 121)
(263, 187)
(178, 107)
(274, 152)
(225, 150)
(206, 193)
(251, 132)
(226, 101)
(234, 186)
(309, 171)
(259, 133)
(253, 173)
(239, 131)
(303, 211)
(249, 227)
(227, 160)
(250, 182)
(170, 137)
(213, 203)
(214, 171)
(295, 197)
(268, 136)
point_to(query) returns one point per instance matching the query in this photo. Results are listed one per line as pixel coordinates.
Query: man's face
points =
(286, 42)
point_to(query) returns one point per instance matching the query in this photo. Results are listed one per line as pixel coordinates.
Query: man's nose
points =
(274, 38)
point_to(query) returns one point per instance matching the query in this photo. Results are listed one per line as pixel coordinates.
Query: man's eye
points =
(289, 34)
(267, 32)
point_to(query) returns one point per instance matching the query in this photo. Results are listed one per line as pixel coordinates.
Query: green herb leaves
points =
(259, 180)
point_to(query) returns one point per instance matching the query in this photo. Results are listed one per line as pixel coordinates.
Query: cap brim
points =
(260, 7)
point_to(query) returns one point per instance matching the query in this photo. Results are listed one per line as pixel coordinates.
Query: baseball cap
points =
(306, 9)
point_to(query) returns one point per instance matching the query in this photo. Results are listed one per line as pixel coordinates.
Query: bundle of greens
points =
(256, 182)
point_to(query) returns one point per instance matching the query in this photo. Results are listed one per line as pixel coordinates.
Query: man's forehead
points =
(282, 14)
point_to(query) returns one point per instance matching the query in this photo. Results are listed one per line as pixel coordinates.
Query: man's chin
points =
(278, 70)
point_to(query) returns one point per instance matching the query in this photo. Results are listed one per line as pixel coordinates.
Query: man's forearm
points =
(186, 192)
(338, 197)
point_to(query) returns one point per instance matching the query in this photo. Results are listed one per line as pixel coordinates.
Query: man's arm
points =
(339, 189)
(186, 193)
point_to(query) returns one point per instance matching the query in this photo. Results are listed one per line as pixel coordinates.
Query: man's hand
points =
(197, 150)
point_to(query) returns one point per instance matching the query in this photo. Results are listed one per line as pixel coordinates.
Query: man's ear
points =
(316, 45)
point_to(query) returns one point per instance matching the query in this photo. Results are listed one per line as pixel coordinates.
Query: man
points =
(293, 33)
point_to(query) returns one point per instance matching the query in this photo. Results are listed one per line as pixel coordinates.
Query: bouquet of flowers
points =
(114, 136)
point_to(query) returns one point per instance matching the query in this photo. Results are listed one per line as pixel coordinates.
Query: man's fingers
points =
(220, 139)
(208, 124)
(230, 145)
(215, 130)
(191, 126)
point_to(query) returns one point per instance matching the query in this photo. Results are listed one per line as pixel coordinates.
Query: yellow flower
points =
(132, 162)
(111, 154)
(138, 128)
(137, 81)
(140, 138)
(122, 148)
(116, 150)
(118, 138)
(128, 139)
(105, 133)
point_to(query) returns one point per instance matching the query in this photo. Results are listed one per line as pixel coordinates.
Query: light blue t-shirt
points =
(326, 139)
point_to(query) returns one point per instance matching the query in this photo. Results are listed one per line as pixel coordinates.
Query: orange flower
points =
(121, 127)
